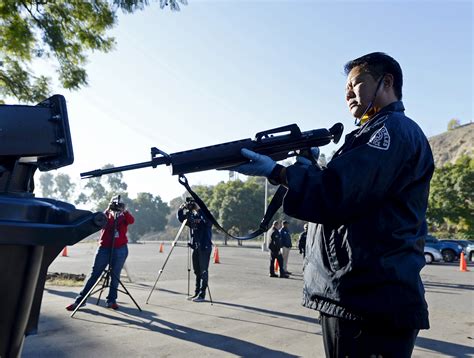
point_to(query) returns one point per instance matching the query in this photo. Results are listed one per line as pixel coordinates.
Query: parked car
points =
(432, 255)
(450, 251)
(469, 251)
(463, 243)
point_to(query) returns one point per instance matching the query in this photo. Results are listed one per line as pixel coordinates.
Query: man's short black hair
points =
(378, 64)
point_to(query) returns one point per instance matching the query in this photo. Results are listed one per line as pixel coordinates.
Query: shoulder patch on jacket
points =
(380, 139)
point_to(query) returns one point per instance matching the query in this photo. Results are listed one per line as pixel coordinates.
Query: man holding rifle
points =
(367, 219)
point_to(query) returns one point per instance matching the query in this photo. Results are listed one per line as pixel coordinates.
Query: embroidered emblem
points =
(380, 139)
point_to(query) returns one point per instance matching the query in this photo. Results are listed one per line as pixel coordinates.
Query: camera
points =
(190, 204)
(116, 204)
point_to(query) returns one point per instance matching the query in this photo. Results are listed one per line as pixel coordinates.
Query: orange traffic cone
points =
(216, 256)
(161, 248)
(64, 252)
(277, 267)
(462, 263)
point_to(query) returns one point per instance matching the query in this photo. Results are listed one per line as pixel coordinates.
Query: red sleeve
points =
(128, 217)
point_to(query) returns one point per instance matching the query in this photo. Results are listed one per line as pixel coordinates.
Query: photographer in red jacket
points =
(112, 250)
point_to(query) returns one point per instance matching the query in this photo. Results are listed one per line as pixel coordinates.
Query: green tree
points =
(150, 214)
(453, 124)
(57, 187)
(98, 191)
(61, 30)
(174, 205)
(47, 184)
(64, 186)
(238, 206)
(241, 208)
(115, 180)
(451, 200)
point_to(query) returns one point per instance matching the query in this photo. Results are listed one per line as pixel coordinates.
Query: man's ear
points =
(388, 80)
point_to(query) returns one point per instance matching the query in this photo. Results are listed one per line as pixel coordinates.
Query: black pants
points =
(201, 259)
(279, 258)
(354, 339)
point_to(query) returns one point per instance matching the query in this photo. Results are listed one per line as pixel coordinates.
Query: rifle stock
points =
(278, 143)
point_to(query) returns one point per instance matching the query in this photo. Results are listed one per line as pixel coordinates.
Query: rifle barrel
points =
(99, 172)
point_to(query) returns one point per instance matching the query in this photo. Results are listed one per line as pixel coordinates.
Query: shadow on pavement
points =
(268, 312)
(447, 349)
(63, 293)
(147, 320)
(271, 314)
(430, 284)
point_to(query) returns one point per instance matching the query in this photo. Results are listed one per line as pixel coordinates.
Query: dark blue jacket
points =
(366, 250)
(275, 241)
(285, 237)
(200, 228)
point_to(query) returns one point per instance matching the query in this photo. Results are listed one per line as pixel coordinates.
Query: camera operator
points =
(113, 239)
(201, 234)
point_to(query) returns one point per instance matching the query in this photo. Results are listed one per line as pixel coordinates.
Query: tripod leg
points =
(210, 296)
(167, 258)
(126, 291)
(189, 266)
(90, 293)
(129, 277)
(105, 284)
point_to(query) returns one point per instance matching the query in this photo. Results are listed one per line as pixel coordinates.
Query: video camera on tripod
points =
(190, 206)
(116, 205)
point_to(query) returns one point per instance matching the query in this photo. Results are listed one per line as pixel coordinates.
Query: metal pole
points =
(264, 243)
(167, 258)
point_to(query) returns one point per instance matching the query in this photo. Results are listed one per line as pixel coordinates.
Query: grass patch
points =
(65, 279)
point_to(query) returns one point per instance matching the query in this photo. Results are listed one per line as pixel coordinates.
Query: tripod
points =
(107, 276)
(173, 244)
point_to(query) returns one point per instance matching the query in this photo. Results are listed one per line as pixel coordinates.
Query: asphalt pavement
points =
(251, 314)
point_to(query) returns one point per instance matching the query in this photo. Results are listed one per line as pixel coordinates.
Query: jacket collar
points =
(392, 107)
(380, 116)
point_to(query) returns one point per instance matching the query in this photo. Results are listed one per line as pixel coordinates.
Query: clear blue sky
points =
(223, 70)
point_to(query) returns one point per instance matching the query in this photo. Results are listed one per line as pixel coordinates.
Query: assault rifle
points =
(278, 143)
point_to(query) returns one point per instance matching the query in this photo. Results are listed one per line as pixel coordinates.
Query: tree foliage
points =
(451, 200)
(57, 187)
(172, 219)
(150, 214)
(453, 124)
(64, 31)
(47, 184)
(64, 187)
(238, 206)
(98, 191)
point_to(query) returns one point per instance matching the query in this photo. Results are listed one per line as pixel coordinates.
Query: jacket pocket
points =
(337, 247)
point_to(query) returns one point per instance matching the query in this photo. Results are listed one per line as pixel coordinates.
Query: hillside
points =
(450, 145)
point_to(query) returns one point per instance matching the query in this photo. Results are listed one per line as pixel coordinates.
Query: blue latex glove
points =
(259, 165)
(303, 160)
